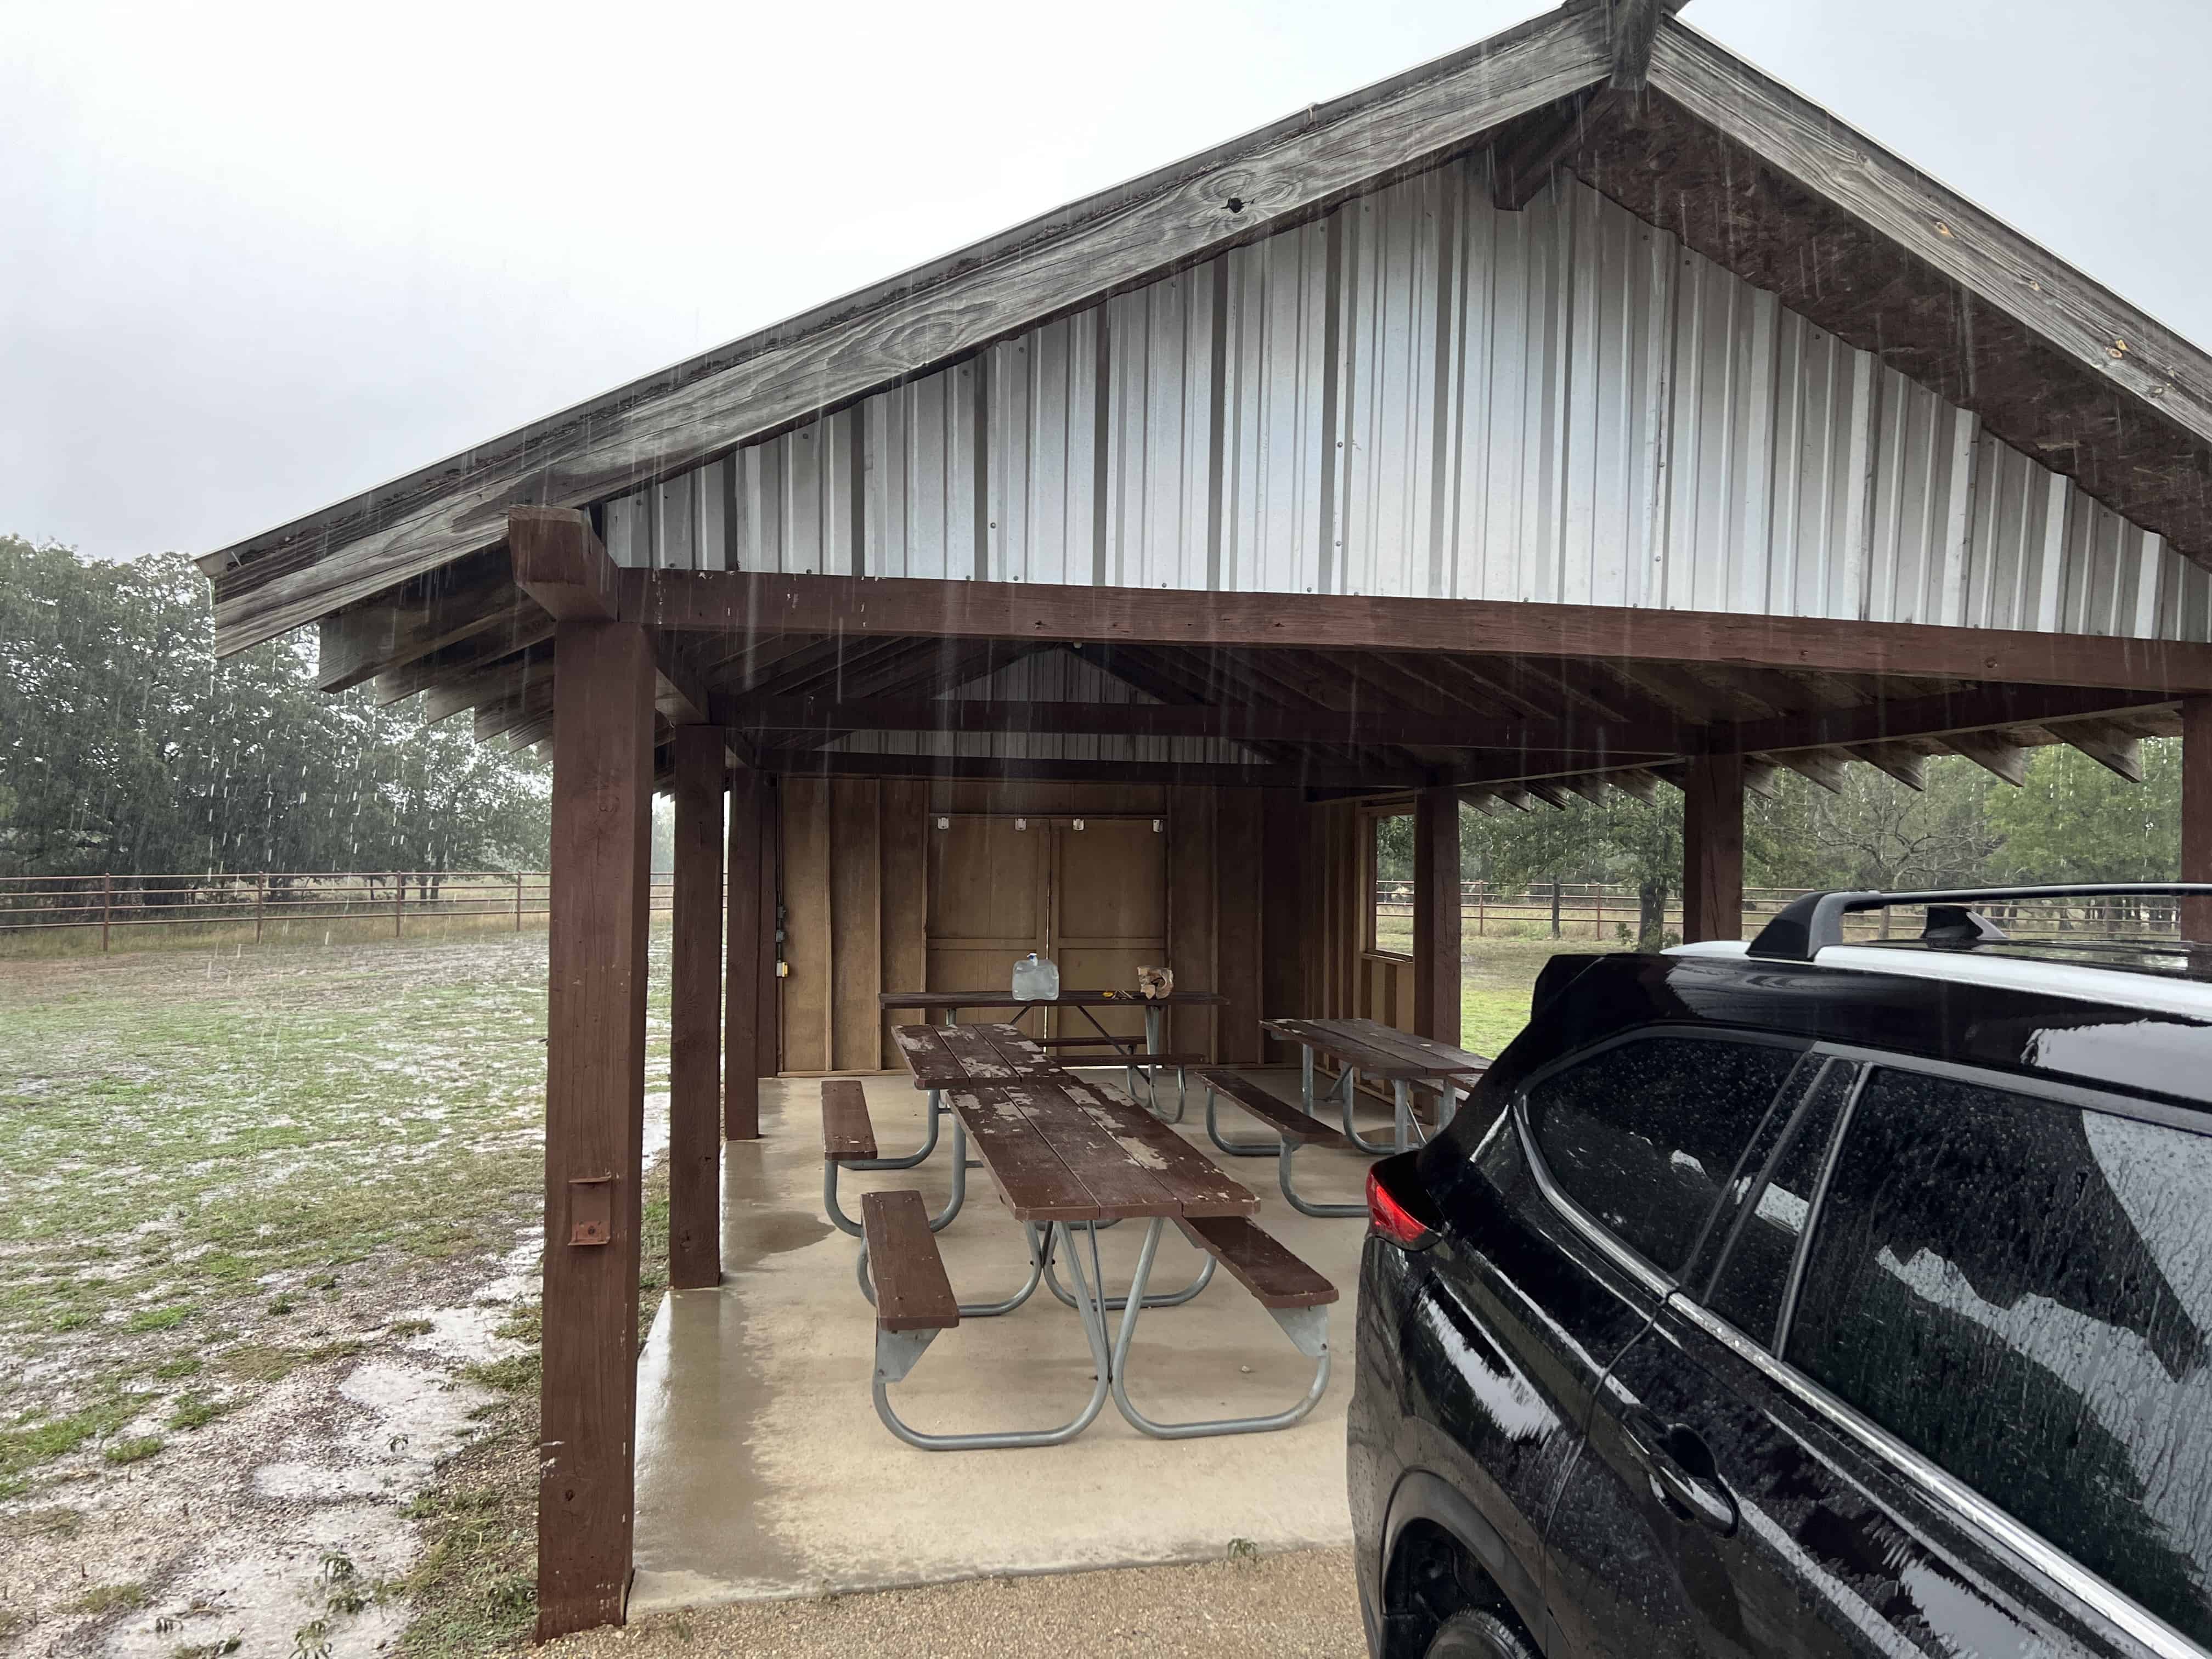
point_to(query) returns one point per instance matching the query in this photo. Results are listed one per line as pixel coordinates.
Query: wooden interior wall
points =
(854, 881)
(852, 919)
(1266, 903)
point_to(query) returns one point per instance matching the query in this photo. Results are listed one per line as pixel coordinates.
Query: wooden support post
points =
(768, 1041)
(594, 1120)
(1436, 915)
(1286, 910)
(2195, 917)
(741, 1039)
(1712, 849)
(1237, 941)
(694, 1015)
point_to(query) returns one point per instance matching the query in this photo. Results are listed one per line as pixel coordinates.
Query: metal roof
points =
(2133, 400)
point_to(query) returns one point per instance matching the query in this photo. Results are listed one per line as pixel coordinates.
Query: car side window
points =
(1749, 1291)
(2021, 1289)
(1645, 1133)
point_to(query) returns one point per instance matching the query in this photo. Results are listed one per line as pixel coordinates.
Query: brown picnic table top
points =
(1376, 1050)
(1059, 1148)
(1065, 999)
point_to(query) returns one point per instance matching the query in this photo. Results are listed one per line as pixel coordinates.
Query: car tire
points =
(1477, 1635)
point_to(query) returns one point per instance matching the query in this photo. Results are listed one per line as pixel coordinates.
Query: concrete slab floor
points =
(763, 1471)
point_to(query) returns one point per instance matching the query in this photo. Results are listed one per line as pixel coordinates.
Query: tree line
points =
(2072, 820)
(125, 746)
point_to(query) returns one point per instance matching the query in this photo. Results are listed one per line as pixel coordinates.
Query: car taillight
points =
(1388, 1219)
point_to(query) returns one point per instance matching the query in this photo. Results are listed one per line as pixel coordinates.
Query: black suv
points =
(1809, 1298)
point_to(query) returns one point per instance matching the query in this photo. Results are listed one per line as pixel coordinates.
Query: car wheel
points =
(1476, 1635)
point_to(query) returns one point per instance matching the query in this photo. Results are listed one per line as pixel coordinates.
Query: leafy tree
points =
(126, 747)
(2074, 820)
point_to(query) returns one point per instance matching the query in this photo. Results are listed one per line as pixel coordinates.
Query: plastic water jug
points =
(1037, 978)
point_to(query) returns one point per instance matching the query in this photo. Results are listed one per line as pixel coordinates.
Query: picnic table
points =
(1369, 1047)
(1068, 1157)
(1149, 1060)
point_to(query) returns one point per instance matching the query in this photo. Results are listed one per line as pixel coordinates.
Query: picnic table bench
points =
(1294, 1127)
(1368, 1048)
(1068, 1157)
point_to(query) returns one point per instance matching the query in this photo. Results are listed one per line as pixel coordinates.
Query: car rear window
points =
(1645, 1134)
(2021, 1289)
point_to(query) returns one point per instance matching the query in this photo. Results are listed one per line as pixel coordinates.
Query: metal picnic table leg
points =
(943, 1218)
(1114, 1303)
(1376, 1148)
(897, 1352)
(1307, 1327)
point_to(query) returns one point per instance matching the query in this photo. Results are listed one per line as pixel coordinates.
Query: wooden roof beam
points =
(473, 599)
(1235, 723)
(716, 601)
(841, 764)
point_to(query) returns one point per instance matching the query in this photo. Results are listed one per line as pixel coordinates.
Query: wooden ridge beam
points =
(1633, 24)
(1265, 181)
(741, 602)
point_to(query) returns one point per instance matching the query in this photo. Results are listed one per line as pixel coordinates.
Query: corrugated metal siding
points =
(1422, 395)
(1055, 676)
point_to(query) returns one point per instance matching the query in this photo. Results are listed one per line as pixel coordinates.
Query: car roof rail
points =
(1805, 926)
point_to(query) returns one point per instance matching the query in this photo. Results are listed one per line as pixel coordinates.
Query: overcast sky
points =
(256, 257)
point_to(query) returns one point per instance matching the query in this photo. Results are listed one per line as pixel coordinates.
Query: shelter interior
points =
(1580, 412)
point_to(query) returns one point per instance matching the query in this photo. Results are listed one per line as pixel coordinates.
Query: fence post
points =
(1481, 888)
(107, 904)
(1600, 910)
(398, 902)
(260, 903)
(518, 901)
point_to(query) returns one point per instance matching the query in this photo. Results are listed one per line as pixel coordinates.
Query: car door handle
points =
(1681, 1470)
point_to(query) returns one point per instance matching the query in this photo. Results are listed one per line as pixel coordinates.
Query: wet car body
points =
(1867, 1342)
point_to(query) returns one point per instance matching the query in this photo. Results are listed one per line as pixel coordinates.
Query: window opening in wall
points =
(1390, 885)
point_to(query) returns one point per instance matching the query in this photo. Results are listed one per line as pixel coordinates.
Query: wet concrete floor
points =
(763, 1471)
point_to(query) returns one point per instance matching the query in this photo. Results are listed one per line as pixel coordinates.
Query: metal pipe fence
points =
(1589, 910)
(260, 904)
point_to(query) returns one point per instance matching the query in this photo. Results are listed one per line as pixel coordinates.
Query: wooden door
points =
(989, 900)
(1110, 914)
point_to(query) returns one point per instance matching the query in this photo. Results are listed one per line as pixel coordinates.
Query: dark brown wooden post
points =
(598, 897)
(1286, 907)
(768, 1039)
(694, 1015)
(1436, 915)
(741, 1070)
(1712, 849)
(2197, 813)
(1237, 941)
